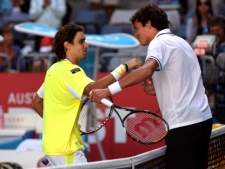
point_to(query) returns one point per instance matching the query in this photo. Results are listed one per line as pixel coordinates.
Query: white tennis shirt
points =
(178, 81)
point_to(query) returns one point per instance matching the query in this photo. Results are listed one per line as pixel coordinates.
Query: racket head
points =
(145, 127)
(93, 116)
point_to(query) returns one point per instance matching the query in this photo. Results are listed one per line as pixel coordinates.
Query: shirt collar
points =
(164, 31)
(68, 60)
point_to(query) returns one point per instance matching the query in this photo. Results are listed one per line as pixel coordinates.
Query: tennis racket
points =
(93, 116)
(142, 126)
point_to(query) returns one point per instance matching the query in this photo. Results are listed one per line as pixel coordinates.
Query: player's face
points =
(141, 33)
(80, 46)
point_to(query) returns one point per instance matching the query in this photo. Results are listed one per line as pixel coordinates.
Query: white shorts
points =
(106, 2)
(77, 158)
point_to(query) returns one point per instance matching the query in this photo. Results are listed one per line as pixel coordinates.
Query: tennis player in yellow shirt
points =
(59, 99)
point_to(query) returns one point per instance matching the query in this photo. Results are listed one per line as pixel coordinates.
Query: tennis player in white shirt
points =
(172, 73)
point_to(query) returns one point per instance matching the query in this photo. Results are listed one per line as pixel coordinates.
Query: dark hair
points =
(65, 33)
(152, 13)
(198, 15)
(216, 20)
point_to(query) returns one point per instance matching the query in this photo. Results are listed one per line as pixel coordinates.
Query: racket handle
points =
(106, 102)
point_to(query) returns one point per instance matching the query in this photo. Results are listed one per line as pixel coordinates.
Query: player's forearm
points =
(139, 75)
(114, 76)
(107, 80)
(135, 77)
(99, 84)
(39, 111)
(37, 105)
(142, 73)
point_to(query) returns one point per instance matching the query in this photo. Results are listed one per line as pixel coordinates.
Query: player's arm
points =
(139, 75)
(37, 105)
(113, 76)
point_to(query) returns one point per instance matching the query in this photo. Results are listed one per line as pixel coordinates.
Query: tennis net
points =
(155, 159)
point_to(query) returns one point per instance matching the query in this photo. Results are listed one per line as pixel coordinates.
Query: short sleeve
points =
(40, 91)
(156, 50)
(77, 83)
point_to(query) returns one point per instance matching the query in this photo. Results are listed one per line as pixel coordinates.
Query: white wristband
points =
(115, 88)
(118, 72)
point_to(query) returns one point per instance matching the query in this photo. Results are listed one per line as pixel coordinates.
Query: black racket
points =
(142, 126)
(93, 116)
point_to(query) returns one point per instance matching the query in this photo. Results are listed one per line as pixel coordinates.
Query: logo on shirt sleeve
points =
(75, 70)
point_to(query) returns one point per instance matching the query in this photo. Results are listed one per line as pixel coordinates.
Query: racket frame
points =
(100, 126)
(133, 111)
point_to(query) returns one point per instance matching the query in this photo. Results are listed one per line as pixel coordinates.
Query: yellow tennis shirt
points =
(63, 88)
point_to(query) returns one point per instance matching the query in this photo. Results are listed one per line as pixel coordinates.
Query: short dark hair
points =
(216, 20)
(65, 33)
(152, 12)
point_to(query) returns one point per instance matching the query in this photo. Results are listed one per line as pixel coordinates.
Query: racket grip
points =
(106, 102)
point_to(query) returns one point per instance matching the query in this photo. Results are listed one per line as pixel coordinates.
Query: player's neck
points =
(71, 61)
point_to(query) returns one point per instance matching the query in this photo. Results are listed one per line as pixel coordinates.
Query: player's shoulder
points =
(61, 66)
(64, 67)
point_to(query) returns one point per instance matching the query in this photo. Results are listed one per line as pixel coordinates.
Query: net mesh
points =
(216, 156)
(158, 163)
(155, 159)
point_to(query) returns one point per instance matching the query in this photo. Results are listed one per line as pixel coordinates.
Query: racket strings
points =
(145, 127)
(93, 116)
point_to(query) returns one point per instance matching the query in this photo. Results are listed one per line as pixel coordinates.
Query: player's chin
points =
(143, 43)
(85, 56)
